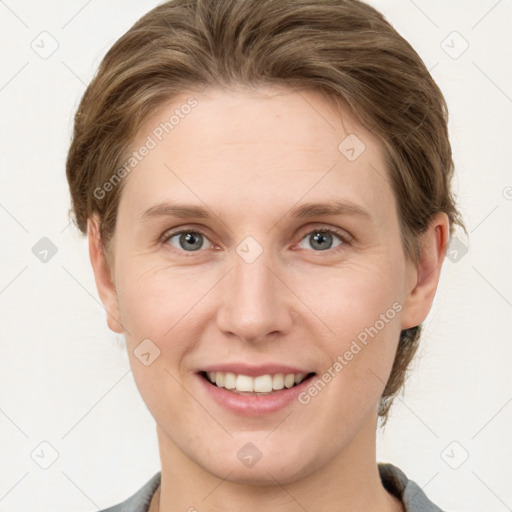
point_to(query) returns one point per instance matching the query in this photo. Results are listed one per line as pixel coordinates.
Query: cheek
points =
(157, 307)
(361, 307)
(354, 296)
(155, 301)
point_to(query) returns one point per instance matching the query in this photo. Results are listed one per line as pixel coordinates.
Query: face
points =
(252, 283)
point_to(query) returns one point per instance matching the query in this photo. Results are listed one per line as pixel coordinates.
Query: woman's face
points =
(244, 284)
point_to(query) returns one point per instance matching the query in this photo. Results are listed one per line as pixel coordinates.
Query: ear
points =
(102, 275)
(423, 276)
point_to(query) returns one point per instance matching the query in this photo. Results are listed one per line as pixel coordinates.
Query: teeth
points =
(261, 384)
(278, 381)
(299, 377)
(289, 380)
(244, 383)
(230, 381)
(219, 379)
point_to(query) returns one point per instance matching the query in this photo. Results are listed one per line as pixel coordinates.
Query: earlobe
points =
(425, 274)
(102, 275)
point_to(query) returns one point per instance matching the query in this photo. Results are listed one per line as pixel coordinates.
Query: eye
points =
(190, 240)
(186, 240)
(322, 239)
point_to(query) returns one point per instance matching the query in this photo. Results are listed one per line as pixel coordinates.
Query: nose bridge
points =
(255, 302)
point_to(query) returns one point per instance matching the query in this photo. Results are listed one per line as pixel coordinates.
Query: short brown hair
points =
(342, 48)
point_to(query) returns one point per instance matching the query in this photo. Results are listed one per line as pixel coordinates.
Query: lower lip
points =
(256, 405)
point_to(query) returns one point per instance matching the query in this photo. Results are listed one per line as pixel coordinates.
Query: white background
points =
(65, 378)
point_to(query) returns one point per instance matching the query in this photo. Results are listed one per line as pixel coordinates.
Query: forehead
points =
(273, 145)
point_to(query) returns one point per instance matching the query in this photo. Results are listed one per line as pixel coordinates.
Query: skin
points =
(251, 156)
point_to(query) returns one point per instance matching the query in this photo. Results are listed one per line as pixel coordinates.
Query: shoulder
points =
(397, 483)
(138, 502)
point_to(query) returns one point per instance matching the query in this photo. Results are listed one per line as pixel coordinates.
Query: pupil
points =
(190, 238)
(319, 237)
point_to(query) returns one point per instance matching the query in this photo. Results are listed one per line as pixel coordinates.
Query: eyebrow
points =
(303, 211)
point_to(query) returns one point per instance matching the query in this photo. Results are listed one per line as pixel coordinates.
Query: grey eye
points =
(188, 240)
(322, 240)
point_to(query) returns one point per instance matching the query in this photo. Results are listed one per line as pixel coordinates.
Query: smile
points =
(257, 385)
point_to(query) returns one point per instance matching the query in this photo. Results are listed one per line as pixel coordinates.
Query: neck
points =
(349, 481)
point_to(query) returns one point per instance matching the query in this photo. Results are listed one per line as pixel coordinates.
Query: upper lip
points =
(254, 370)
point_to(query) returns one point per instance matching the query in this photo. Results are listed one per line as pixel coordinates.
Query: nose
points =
(256, 304)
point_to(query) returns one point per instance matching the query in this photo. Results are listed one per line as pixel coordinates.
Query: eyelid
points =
(343, 234)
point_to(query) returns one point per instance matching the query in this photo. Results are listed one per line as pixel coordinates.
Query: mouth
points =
(267, 384)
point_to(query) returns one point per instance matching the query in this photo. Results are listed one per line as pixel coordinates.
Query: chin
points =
(270, 468)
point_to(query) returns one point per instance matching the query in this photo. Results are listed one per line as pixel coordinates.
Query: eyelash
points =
(340, 234)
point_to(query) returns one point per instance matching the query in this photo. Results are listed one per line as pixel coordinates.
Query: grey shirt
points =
(393, 479)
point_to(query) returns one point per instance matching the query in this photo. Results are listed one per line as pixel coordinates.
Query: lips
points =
(253, 390)
(254, 403)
